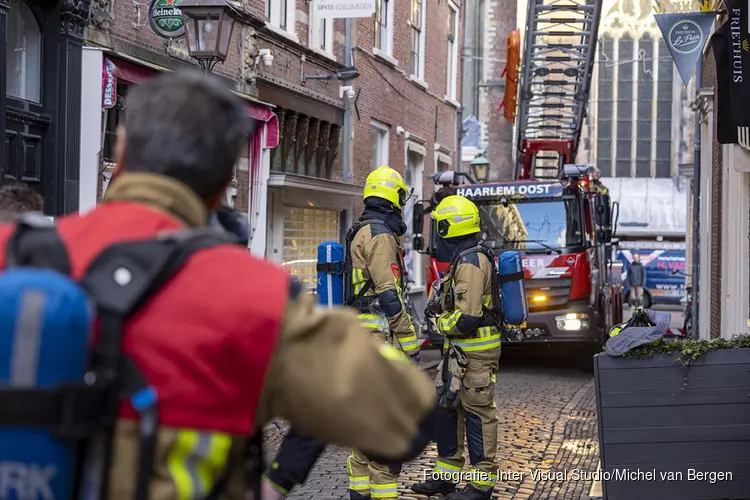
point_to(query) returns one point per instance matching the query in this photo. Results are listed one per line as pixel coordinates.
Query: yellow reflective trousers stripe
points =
(388, 490)
(196, 460)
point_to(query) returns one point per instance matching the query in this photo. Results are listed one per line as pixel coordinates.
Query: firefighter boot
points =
(434, 487)
(470, 493)
(355, 495)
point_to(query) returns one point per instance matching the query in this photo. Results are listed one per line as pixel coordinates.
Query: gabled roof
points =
(649, 207)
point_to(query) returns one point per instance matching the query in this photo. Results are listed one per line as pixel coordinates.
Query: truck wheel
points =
(646, 300)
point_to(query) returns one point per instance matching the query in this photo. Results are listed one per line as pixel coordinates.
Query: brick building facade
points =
(406, 112)
(292, 180)
(488, 22)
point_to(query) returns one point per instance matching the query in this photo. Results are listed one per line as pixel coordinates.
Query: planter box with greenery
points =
(674, 420)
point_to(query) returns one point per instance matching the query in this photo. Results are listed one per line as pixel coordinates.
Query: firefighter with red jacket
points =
(230, 341)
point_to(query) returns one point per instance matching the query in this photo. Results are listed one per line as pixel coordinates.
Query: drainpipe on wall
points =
(460, 92)
(696, 202)
(346, 170)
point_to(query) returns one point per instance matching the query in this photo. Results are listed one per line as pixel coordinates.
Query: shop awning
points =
(283, 180)
(270, 119)
(128, 72)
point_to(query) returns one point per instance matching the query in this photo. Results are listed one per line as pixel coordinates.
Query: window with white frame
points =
(452, 62)
(24, 54)
(384, 26)
(321, 30)
(417, 22)
(280, 13)
(379, 156)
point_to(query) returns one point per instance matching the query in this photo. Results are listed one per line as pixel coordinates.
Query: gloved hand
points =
(434, 309)
(416, 357)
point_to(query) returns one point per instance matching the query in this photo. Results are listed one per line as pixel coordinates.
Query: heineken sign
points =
(166, 19)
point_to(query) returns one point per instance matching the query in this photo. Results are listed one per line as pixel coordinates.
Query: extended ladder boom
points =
(556, 70)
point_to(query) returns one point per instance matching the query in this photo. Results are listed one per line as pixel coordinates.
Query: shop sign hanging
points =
(685, 35)
(109, 84)
(731, 49)
(165, 18)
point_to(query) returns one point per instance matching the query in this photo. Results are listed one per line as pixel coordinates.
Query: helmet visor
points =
(442, 228)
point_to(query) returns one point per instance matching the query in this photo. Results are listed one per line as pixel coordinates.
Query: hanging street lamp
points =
(208, 28)
(480, 168)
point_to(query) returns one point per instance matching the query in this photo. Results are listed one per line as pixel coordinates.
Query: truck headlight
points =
(572, 322)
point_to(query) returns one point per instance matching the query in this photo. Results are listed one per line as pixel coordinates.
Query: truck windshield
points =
(531, 224)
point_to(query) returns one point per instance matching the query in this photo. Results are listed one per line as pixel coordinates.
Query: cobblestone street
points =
(547, 420)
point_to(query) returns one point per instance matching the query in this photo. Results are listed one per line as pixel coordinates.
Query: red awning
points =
(270, 119)
(132, 73)
(129, 72)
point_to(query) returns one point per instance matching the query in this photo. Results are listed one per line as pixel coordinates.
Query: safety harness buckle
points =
(69, 411)
(335, 268)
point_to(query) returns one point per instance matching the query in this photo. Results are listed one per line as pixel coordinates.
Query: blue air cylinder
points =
(34, 463)
(330, 274)
(512, 288)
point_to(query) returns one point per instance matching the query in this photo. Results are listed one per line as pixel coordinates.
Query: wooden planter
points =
(658, 441)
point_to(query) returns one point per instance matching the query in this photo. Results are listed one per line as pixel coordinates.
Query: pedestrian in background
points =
(596, 182)
(636, 280)
(16, 199)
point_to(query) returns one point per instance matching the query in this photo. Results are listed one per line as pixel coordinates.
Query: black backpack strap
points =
(491, 316)
(349, 297)
(121, 279)
(35, 242)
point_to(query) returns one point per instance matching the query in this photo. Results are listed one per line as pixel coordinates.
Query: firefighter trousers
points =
(368, 478)
(475, 419)
(371, 478)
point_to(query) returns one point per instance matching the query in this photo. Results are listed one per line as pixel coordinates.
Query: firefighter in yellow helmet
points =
(374, 286)
(466, 311)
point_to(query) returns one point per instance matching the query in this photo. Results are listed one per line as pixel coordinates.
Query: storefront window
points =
(24, 54)
(304, 230)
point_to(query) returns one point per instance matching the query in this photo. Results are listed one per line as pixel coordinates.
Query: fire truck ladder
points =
(556, 68)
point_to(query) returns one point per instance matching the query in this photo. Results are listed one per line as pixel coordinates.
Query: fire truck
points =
(563, 231)
(550, 211)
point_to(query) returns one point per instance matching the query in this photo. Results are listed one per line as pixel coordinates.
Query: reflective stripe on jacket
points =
(376, 256)
(472, 281)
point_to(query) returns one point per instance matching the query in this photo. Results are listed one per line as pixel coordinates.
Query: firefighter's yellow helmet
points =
(386, 183)
(456, 216)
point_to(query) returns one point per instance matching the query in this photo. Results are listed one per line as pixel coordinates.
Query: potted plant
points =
(674, 420)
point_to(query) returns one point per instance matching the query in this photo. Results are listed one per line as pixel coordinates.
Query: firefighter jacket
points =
(229, 343)
(599, 188)
(464, 321)
(376, 258)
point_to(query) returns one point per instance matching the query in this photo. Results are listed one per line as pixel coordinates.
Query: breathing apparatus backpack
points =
(508, 305)
(59, 394)
(364, 304)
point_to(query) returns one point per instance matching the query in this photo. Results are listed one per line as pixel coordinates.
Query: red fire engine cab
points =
(563, 230)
